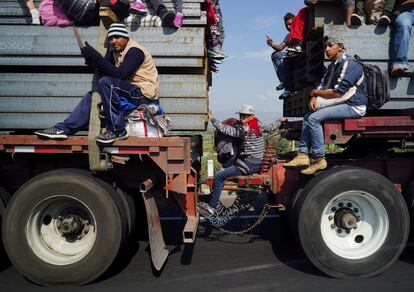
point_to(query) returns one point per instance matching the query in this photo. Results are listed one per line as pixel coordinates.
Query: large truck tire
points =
(409, 196)
(63, 228)
(352, 223)
(4, 199)
(123, 199)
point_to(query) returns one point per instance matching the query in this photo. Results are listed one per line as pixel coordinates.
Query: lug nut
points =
(349, 205)
(332, 226)
(330, 217)
(339, 231)
(348, 231)
(333, 209)
(341, 205)
(358, 218)
(356, 210)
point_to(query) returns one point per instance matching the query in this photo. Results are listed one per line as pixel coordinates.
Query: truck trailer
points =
(68, 207)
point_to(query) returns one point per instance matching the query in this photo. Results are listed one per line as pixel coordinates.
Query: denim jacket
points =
(342, 75)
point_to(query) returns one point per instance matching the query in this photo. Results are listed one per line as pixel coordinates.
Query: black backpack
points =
(378, 84)
(119, 7)
(228, 148)
(83, 12)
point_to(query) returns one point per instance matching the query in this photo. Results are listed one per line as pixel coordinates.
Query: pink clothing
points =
(52, 14)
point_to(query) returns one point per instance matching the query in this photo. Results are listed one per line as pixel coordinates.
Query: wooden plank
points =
(13, 121)
(33, 84)
(188, 21)
(76, 61)
(370, 42)
(47, 104)
(58, 41)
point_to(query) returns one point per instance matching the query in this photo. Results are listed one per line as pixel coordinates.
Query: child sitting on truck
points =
(344, 78)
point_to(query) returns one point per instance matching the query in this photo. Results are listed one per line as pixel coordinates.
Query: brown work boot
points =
(300, 160)
(315, 166)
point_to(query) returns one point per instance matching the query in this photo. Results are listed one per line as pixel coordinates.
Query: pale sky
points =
(247, 76)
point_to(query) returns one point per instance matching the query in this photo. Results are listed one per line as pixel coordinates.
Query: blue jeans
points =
(312, 131)
(113, 94)
(222, 175)
(282, 69)
(400, 39)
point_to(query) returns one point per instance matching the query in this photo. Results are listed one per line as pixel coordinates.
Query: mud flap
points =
(159, 252)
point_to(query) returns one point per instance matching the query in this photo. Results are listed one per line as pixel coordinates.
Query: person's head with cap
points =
(334, 45)
(118, 36)
(246, 111)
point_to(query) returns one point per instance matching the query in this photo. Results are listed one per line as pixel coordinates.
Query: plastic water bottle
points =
(210, 168)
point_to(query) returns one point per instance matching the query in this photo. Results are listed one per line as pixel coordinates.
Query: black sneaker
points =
(281, 86)
(53, 133)
(285, 94)
(357, 19)
(167, 16)
(205, 210)
(291, 54)
(384, 21)
(109, 136)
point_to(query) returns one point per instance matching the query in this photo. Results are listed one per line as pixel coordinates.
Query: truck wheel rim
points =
(61, 230)
(354, 225)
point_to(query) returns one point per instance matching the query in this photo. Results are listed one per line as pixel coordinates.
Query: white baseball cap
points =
(246, 109)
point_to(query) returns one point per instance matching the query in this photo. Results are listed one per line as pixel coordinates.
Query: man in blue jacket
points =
(129, 80)
(343, 79)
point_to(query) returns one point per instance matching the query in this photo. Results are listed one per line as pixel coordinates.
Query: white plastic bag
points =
(140, 127)
(325, 102)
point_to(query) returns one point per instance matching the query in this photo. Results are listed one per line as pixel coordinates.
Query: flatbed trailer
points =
(68, 207)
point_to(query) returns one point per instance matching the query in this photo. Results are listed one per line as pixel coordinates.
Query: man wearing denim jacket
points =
(344, 76)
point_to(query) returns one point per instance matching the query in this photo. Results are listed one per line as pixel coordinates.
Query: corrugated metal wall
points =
(43, 76)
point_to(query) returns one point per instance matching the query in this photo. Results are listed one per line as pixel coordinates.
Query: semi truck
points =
(69, 207)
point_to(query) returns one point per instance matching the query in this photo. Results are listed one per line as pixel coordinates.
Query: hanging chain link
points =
(228, 214)
(262, 216)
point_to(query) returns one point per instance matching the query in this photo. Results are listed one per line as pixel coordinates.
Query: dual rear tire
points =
(66, 227)
(351, 222)
(4, 199)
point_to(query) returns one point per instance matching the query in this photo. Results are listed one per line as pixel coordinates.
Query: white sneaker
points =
(384, 21)
(35, 16)
(357, 19)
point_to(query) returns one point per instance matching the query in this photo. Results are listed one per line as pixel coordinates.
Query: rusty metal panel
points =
(175, 153)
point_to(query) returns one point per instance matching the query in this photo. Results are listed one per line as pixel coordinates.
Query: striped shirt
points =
(253, 143)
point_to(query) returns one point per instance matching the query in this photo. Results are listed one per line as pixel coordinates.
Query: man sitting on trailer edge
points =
(342, 94)
(129, 80)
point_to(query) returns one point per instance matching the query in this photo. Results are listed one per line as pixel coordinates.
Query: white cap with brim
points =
(118, 29)
(246, 109)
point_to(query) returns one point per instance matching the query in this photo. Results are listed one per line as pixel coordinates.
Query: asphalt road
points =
(267, 259)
